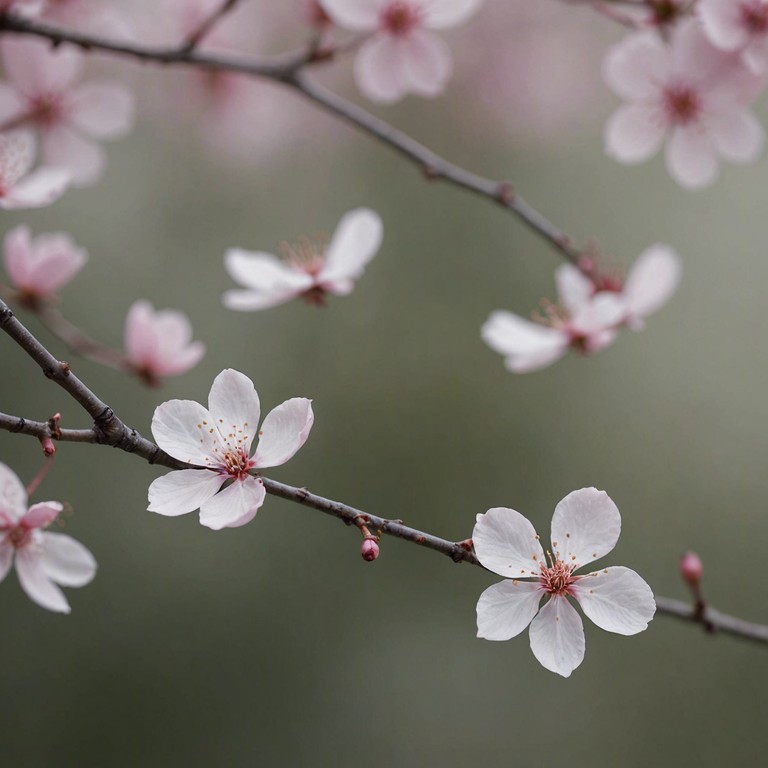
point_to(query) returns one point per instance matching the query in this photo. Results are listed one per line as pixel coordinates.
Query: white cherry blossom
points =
(43, 560)
(738, 25)
(585, 527)
(403, 55)
(217, 442)
(309, 271)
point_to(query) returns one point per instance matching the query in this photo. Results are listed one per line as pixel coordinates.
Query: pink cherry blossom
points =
(41, 266)
(43, 560)
(402, 55)
(159, 343)
(585, 527)
(217, 442)
(309, 271)
(738, 25)
(22, 7)
(97, 16)
(42, 92)
(18, 187)
(688, 92)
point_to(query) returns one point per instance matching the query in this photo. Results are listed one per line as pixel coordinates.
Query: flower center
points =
(236, 462)
(18, 536)
(307, 254)
(45, 109)
(754, 16)
(556, 579)
(681, 104)
(399, 17)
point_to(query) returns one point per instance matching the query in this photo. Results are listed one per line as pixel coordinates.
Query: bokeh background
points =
(275, 644)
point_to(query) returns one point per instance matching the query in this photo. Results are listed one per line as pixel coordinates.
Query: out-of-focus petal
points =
(183, 491)
(361, 15)
(557, 637)
(13, 497)
(616, 599)
(691, 158)
(738, 136)
(42, 187)
(633, 133)
(722, 21)
(527, 346)
(84, 159)
(41, 514)
(249, 301)
(54, 260)
(506, 609)
(586, 525)
(573, 287)
(449, 13)
(234, 506)
(102, 110)
(37, 69)
(354, 243)
(427, 63)
(652, 281)
(634, 67)
(67, 561)
(506, 543)
(182, 428)
(380, 70)
(36, 583)
(17, 155)
(6, 558)
(285, 429)
(235, 407)
(11, 106)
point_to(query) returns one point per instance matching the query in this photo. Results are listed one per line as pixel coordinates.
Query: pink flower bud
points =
(48, 446)
(691, 569)
(369, 548)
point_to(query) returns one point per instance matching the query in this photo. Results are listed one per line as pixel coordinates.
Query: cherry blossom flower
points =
(585, 527)
(42, 93)
(22, 7)
(309, 272)
(87, 16)
(403, 55)
(18, 187)
(43, 560)
(689, 92)
(159, 343)
(738, 26)
(217, 442)
(41, 266)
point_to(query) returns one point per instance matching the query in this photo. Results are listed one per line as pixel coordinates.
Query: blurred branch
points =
(208, 24)
(288, 70)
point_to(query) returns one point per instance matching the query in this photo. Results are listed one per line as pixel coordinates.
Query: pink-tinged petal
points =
(616, 599)
(37, 69)
(42, 187)
(354, 243)
(13, 497)
(573, 287)
(234, 506)
(11, 106)
(652, 281)
(140, 339)
(360, 15)
(183, 491)
(66, 561)
(50, 261)
(633, 133)
(756, 56)
(693, 55)
(102, 110)
(738, 136)
(527, 346)
(506, 609)
(235, 407)
(36, 583)
(557, 637)
(251, 301)
(722, 23)
(283, 432)
(586, 525)
(506, 543)
(266, 274)
(6, 558)
(449, 13)
(427, 63)
(602, 313)
(691, 158)
(182, 428)
(84, 159)
(17, 155)
(380, 69)
(634, 68)
(42, 514)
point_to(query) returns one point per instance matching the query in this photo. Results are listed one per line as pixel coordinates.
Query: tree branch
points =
(208, 24)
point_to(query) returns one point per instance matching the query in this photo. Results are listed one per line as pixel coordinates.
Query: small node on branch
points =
(505, 194)
(431, 172)
(54, 425)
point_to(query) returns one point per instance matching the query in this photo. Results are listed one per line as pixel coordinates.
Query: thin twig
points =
(207, 25)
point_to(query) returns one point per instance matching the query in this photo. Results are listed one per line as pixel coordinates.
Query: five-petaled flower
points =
(217, 441)
(43, 560)
(585, 527)
(309, 272)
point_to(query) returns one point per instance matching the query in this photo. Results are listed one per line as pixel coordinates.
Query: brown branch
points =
(208, 24)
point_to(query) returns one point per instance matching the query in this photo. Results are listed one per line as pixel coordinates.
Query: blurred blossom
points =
(311, 272)
(43, 560)
(24, 7)
(41, 266)
(738, 25)
(585, 527)
(691, 569)
(94, 16)
(402, 55)
(18, 187)
(42, 92)
(159, 343)
(219, 438)
(687, 92)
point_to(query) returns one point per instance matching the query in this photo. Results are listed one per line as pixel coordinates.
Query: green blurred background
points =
(275, 644)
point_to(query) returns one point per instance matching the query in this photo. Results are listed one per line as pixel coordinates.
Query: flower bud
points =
(48, 446)
(691, 569)
(369, 549)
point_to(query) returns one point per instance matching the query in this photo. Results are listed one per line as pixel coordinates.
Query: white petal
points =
(586, 525)
(11, 106)
(102, 110)
(506, 543)
(652, 281)
(573, 287)
(449, 13)
(283, 432)
(361, 15)
(616, 599)
(636, 67)
(182, 428)
(506, 609)
(426, 60)
(380, 70)
(13, 496)
(234, 506)
(42, 187)
(354, 244)
(17, 156)
(722, 23)
(557, 637)
(633, 134)
(35, 582)
(6, 558)
(527, 345)
(265, 273)
(83, 158)
(691, 158)
(41, 514)
(36, 69)
(66, 561)
(738, 136)
(183, 490)
(251, 301)
(235, 407)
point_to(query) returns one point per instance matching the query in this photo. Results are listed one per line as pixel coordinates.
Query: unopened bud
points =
(369, 549)
(691, 569)
(49, 448)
